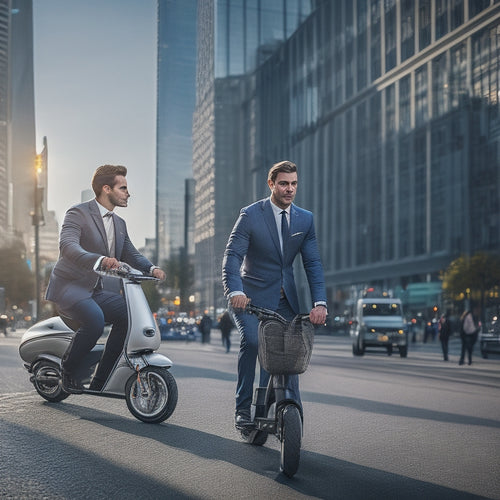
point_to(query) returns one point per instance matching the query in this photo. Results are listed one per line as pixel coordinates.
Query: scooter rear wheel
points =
(151, 395)
(47, 381)
(291, 438)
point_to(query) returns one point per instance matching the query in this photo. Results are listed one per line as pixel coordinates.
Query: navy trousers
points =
(247, 325)
(92, 313)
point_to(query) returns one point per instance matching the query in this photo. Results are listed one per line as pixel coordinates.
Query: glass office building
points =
(176, 75)
(390, 110)
(234, 38)
(17, 121)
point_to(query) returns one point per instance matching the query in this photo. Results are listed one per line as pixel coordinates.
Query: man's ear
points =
(107, 189)
(270, 183)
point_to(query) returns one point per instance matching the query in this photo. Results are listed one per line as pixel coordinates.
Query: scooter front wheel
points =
(47, 381)
(151, 394)
(291, 438)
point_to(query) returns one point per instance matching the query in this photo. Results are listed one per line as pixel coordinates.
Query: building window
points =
(457, 13)
(439, 183)
(375, 48)
(440, 90)
(421, 103)
(390, 34)
(420, 192)
(476, 6)
(441, 18)
(407, 29)
(458, 75)
(424, 16)
(405, 104)
(404, 193)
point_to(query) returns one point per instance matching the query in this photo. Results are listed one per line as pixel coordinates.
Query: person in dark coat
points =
(444, 333)
(226, 325)
(205, 327)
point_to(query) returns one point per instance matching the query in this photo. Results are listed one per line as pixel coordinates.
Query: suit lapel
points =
(119, 235)
(96, 216)
(271, 225)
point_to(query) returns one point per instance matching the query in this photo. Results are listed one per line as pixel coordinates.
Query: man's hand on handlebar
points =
(317, 316)
(239, 301)
(108, 263)
(159, 274)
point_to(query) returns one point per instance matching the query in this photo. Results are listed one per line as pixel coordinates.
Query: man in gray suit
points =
(93, 237)
(258, 267)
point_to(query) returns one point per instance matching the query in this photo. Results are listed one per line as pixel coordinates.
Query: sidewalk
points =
(12, 335)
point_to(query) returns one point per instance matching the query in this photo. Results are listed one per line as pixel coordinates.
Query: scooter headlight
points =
(149, 331)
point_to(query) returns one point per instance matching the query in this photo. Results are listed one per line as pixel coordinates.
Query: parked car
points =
(489, 341)
(379, 322)
(179, 328)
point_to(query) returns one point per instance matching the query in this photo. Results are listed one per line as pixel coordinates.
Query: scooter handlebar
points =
(126, 271)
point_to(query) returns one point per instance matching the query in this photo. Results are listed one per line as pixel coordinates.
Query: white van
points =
(379, 322)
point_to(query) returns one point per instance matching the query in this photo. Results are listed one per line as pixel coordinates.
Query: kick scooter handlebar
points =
(264, 313)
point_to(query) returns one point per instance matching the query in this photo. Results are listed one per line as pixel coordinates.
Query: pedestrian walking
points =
(226, 325)
(444, 333)
(470, 325)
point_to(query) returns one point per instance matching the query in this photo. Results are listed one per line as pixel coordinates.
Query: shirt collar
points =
(102, 210)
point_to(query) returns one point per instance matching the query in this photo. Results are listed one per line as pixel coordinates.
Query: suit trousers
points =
(248, 325)
(92, 313)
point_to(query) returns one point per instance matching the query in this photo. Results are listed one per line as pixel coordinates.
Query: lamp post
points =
(37, 218)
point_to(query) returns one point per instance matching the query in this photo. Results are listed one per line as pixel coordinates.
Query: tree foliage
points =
(472, 276)
(15, 275)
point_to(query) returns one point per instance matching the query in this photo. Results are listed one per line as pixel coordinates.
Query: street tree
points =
(473, 277)
(16, 276)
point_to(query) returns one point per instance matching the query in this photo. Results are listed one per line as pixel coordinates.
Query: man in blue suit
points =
(258, 267)
(93, 237)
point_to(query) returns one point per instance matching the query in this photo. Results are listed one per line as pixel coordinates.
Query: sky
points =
(95, 100)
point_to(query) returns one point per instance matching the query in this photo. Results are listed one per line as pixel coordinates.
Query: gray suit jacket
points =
(82, 241)
(253, 261)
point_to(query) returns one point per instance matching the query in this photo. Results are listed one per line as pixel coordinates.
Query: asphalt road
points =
(376, 427)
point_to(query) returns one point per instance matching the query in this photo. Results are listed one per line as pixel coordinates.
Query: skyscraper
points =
(390, 110)
(17, 120)
(176, 75)
(234, 38)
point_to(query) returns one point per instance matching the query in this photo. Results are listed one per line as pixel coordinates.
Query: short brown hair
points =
(282, 166)
(105, 175)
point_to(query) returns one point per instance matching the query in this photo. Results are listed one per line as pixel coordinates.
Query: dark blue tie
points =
(285, 231)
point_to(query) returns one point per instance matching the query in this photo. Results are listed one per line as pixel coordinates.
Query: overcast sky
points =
(95, 98)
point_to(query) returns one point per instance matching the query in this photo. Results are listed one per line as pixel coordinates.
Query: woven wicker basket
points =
(285, 347)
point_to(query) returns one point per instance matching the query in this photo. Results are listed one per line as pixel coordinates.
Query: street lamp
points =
(37, 219)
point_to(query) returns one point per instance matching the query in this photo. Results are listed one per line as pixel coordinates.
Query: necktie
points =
(285, 231)
(110, 232)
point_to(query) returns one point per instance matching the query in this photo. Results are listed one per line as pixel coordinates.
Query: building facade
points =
(17, 122)
(234, 38)
(390, 110)
(176, 73)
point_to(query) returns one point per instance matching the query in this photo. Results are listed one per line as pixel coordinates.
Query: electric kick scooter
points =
(285, 348)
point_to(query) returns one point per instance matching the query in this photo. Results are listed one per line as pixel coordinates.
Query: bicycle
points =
(285, 348)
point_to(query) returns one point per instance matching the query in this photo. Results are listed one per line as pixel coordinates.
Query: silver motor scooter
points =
(141, 376)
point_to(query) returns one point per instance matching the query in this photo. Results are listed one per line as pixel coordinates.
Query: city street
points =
(376, 427)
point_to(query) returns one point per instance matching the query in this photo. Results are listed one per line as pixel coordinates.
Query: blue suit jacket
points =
(253, 262)
(82, 241)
